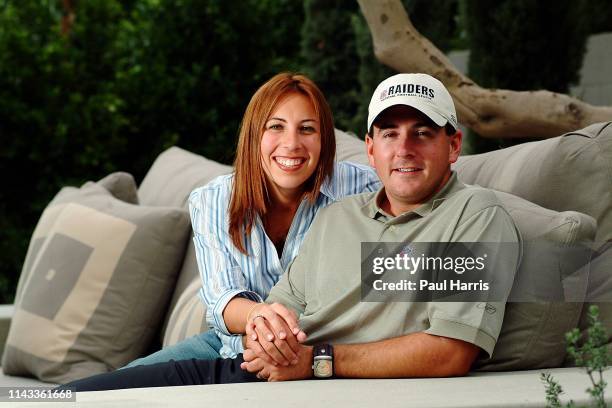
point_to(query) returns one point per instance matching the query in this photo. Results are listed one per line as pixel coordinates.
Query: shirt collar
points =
(372, 210)
(327, 190)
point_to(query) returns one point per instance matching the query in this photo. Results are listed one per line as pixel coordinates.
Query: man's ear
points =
(370, 149)
(455, 146)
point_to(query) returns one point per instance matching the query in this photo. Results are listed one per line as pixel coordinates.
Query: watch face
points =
(323, 368)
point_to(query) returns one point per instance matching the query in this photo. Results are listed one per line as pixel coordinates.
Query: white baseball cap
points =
(420, 91)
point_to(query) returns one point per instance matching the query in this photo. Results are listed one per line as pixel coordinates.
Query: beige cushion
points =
(94, 291)
(188, 317)
(188, 272)
(350, 148)
(173, 176)
(569, 172)
(122, 186)
(533, 333)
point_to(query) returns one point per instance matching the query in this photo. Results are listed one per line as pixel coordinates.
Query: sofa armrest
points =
(6, 314)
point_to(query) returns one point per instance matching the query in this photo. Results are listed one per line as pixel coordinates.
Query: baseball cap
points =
(420, 91)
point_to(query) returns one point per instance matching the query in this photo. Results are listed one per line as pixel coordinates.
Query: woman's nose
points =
(291, 138)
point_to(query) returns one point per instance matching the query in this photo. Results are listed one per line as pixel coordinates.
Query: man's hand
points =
(300, 371)
(273, 334)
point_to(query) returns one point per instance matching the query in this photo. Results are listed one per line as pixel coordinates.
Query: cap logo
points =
(407, 90)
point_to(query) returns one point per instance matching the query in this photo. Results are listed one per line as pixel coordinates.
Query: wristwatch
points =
(323, 360)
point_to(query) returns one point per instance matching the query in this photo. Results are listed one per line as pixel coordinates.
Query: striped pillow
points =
(188, 317)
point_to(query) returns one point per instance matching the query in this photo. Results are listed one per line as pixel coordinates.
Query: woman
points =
(284, 173)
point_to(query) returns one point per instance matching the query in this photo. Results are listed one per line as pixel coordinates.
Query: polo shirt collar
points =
(372, 210)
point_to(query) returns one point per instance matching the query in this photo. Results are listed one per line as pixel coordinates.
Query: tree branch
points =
(492, 113)
(68, 17)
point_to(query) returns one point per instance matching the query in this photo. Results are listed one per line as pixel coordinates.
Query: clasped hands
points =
(273, 346)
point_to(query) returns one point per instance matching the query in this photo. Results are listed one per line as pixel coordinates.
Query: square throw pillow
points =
(120, 185)
(94, 288)
(569, 172)
(533, 331)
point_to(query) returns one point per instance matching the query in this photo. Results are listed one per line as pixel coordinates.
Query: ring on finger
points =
(259, 315)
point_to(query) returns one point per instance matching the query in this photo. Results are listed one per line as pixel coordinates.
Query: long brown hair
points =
(249, 192)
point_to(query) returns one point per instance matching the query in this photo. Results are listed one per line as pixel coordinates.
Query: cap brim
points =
(418, 105)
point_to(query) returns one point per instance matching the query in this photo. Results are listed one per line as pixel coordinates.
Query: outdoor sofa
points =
(110, 274)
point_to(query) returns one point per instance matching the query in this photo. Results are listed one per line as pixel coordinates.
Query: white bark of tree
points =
(494, 113)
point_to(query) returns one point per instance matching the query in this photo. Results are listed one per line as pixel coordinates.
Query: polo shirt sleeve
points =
(290, 290)
(480, 323)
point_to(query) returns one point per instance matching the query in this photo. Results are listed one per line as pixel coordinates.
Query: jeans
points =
(203, 346)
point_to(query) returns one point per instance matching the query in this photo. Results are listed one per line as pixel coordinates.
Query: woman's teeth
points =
(289, 162)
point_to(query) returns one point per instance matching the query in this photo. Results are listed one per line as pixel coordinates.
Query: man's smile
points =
(407, 170)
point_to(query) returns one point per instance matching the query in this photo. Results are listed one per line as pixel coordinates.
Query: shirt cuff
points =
(462, 331)
(214, 315)
(232, 346)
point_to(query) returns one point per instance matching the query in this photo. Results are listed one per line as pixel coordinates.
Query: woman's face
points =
(291, 146)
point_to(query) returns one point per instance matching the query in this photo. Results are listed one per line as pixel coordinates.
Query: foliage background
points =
(131, 78)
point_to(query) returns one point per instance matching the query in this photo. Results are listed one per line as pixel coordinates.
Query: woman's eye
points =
(308, 129)
(275, 126)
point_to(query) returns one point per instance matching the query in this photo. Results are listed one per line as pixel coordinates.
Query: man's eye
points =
(422, 133)
(387, 135)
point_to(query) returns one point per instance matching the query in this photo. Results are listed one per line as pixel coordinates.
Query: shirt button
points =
(392, 228)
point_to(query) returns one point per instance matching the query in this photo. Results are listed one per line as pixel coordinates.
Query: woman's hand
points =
(273, 334)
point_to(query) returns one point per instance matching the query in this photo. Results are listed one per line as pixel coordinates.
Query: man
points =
(412, 139)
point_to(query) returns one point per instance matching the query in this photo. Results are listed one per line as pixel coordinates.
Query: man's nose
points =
(405, 146)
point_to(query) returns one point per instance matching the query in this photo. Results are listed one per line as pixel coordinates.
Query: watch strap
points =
(321, 350)
(323, 361)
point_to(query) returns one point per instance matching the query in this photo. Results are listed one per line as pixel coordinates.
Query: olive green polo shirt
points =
(323, 284)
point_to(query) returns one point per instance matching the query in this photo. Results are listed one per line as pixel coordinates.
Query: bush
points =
(60, 114)
(126, 81)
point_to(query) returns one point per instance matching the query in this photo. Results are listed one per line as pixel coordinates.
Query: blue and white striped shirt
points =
(226, 272)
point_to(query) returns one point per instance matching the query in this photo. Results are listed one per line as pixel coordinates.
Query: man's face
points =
(412, 157)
